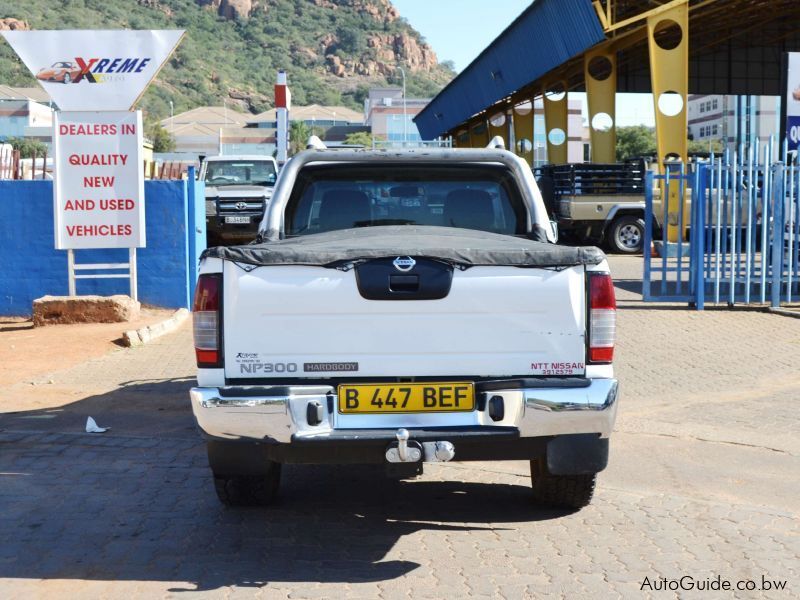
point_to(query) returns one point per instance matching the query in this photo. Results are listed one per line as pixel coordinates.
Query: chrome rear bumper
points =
(280, 414)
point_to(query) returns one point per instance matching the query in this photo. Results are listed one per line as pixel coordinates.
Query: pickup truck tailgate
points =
(312, 322)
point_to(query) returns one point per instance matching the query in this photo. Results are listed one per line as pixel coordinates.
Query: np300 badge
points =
(404, 263)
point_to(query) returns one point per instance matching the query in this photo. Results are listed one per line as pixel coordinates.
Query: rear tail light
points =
(206, 315)
(602, 318)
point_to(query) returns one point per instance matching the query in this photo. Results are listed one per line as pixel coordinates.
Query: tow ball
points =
(411, 451)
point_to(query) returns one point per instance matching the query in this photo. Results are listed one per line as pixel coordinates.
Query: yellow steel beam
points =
(522, 115)
(669, 75)
(498, 122)
(601, 14)
(556, 121)
(461, 139)
(478, 134)
(654, 12)
(600, 73)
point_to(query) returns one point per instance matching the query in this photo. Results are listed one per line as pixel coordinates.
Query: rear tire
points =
(243, 474)
(561, 491)
(626, 234)
(244, 490)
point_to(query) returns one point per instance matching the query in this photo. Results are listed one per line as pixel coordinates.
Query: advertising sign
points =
(99, 182)
(793, 101)
(94, 70)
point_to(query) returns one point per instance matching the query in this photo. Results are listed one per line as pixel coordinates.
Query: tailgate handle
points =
(404, 283)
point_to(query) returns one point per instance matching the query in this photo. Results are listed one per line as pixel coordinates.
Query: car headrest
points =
(343, 209)
(470, 209)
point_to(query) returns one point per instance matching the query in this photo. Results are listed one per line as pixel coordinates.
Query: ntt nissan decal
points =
(94, 70)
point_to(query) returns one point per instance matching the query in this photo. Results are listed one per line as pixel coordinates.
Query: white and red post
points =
(283, 101)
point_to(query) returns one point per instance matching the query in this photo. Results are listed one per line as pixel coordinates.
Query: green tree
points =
(299, 132)
(350, 39)
(700, 146)
(635, 141)
(449, 65)
(161, 138)
(356, 96)
(27, 147)
(360, 138)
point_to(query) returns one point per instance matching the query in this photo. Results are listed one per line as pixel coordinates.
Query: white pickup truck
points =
(403, 307)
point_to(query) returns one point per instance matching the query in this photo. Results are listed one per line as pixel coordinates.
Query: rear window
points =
(343, 196)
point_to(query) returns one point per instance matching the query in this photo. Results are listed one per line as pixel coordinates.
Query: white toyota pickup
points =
(403, 307)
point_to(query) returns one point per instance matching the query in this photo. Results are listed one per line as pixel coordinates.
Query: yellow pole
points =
(478, 134)
(668, 42)
(498, 125)
(600, 71)
(556, 119)
(523, 130)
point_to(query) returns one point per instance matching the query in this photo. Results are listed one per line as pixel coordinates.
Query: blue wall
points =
(30, 267)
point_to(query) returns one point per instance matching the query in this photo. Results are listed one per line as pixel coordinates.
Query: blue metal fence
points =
(742, 226)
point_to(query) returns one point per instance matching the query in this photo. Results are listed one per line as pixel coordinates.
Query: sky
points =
(459, 30)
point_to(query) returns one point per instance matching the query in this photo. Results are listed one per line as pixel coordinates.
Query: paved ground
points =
(703, 482)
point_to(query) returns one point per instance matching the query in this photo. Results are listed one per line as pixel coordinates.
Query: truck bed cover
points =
(464, 247)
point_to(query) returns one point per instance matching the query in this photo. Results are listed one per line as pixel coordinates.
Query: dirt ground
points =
(29, 354)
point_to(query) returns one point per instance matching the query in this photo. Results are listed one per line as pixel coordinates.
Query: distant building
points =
(25, 113)
(390, 117)
(212, 130)
(335, 122)
(714, 118)
(314, 114)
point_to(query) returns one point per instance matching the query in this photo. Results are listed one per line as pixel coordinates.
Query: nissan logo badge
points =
(404, 263)
(241, 205)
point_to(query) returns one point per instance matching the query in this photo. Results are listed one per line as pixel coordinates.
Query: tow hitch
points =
(410, 451)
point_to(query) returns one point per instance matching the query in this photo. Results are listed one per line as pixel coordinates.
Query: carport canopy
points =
(735, 47)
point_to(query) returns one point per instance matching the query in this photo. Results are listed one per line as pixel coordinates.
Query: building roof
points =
(312, 112)
(207, 115)
(37, 94)
(189, 129)
(184, 130)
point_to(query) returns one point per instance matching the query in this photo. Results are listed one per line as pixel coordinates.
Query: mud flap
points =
(579, 454)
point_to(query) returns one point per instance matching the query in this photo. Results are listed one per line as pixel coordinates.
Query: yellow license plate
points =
(385, 398)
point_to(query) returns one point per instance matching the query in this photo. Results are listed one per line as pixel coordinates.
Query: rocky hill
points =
(333, 50)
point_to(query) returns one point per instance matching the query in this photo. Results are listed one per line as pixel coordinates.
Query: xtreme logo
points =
(93, 70)
(89, 68)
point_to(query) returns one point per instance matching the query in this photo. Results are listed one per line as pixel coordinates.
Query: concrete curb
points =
(145, 335)
(785, 312)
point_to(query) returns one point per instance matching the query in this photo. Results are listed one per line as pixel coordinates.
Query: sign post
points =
(283, 104)
(95, 78)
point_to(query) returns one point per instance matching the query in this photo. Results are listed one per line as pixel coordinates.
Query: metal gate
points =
(742, 223)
